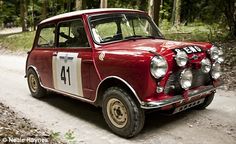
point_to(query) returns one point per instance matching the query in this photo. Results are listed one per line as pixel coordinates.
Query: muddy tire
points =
(121, 113)
(34, 86)
(206, 102)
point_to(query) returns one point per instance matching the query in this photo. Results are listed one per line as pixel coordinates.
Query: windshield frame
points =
(151, 22)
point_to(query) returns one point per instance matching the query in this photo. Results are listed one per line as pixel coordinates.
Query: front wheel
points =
(121, 113)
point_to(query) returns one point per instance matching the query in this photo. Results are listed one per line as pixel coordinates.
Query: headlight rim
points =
(152, 70)
(203, 63)
(181, 78)
(213, 70)
(211, 50)
(178, 55)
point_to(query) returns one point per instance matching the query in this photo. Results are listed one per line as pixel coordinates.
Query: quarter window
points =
(47, 37)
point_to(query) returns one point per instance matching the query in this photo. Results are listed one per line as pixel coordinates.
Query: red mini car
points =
(118, 59)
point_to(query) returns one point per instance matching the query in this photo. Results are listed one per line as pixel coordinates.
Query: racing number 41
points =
(65, 74)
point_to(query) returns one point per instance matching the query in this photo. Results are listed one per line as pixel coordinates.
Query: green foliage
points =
(55, 135)
(165, 11)
(132, 4)
(206, 11)
(196, 31)
(8, 11)
(68, 137)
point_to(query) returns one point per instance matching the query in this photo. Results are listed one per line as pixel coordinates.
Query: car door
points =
(72, 60)
(41, 56)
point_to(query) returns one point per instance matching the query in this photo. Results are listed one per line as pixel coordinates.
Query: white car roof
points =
(80, 12)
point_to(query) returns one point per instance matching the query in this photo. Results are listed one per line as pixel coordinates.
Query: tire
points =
(35, 88)
(206, 102)
(121, 113)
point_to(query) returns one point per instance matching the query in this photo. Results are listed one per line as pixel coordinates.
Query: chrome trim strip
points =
(126, 83)
(179, 98)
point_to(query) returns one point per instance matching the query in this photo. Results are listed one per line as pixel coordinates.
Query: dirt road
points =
(7, 31)
(215, 125)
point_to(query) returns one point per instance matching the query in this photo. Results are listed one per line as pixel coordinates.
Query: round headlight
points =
(186, 79)
(216, 71)
(206, 65)
(158, 66)
(181, 58)
(214, 53)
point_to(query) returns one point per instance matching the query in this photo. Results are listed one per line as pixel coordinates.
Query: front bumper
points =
(201, 91)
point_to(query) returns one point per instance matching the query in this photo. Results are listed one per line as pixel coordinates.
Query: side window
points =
(72, 34)
(47, 37)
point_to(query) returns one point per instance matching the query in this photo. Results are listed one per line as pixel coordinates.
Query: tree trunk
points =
(175, 19)
(103, 4)
(44, 10)
(154, 10)
(84, 4)
(23, 15)
(143, 5)
(230, 13)
(79, 4)
(33, 23)
(1, 20)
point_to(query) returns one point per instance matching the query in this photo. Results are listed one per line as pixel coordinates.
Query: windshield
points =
(119, 26)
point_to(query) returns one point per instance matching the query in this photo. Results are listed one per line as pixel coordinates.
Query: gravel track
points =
(60, 115)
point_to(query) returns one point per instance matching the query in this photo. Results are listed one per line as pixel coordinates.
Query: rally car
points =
(118, 59)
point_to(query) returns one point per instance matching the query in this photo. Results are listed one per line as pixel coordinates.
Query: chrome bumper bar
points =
(180, 98)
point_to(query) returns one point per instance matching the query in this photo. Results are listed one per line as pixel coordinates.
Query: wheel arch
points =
(114, 81)
(34, 69)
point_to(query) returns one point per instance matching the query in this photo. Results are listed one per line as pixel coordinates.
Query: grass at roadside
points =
(17, 42)
(194, 32)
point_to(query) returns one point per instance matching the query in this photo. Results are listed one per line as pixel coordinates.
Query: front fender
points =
(131, 68)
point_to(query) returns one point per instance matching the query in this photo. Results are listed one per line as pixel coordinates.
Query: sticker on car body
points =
(189, 49)
(67, 73)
